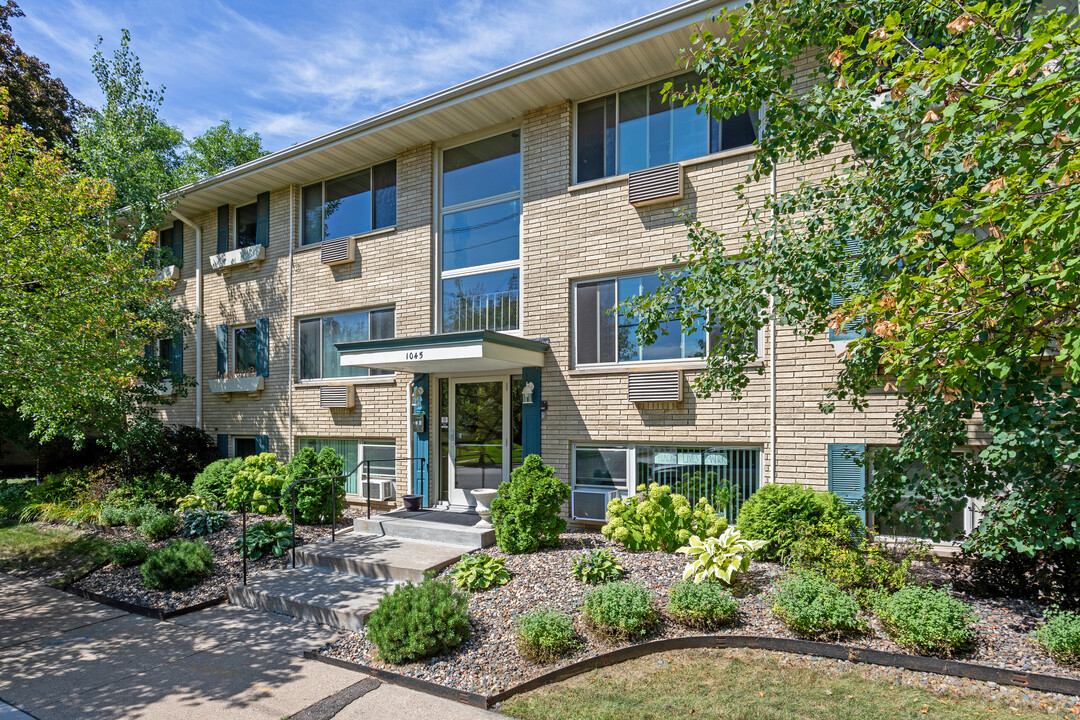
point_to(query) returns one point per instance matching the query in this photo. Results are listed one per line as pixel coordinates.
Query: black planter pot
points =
(412, 502)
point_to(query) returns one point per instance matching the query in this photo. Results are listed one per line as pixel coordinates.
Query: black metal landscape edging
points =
(918, 663)
(143, 610)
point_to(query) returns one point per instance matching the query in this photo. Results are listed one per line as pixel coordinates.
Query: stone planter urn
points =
(483, 500)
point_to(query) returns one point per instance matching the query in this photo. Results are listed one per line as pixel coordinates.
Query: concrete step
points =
(379, 557)
(447, 527)
(329, 598)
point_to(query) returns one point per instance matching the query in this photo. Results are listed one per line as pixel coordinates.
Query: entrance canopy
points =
(482, 350)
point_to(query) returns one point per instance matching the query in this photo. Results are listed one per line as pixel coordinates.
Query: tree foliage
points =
(952, 134)
(218, 149)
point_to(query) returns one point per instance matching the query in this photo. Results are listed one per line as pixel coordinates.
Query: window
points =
(165, 242)
(380, 453)
(961, 521)
(244, 350)
(480, 235)
(636, 129)
(349, 205)
(725, 476)
(246, 222)
(319, 359)
(244, 446)
(165, 350)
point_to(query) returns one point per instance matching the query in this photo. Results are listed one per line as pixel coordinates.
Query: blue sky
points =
(293, 70)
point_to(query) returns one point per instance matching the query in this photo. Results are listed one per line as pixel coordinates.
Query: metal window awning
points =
(446, 353)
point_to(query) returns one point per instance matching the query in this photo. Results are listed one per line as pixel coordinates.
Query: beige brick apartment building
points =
(432, 282)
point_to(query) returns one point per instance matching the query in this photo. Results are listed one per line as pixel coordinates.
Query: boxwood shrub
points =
(776, 514)
(416, 621)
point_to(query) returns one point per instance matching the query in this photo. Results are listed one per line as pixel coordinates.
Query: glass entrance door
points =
(478, 450)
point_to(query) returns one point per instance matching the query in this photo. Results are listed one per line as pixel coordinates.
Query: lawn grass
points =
(53, 554)
(741, 685)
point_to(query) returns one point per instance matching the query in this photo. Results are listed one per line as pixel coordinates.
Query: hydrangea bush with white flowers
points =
(657, 519)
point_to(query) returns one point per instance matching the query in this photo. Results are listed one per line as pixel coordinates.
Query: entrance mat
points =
(328, 707)
(918, 663)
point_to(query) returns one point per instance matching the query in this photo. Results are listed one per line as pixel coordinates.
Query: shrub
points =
(719, 558)
(150, 445)
(927, 620)
(596, 567)
(140, 514)
(655, 519)
(545, 635)
(260, 478)
(314, 504)
(159, 489)
(1047, 575)
(160, 526)
(479, 572)
(214, 481)
(707, 605)
(178, 566)
(272, 537)
(113, 516)
(416, 621)
(526, 511)
(620, 610)
(1060, 635)
(193, 502)
(811, 605)
(776, 512)
(13, 498)
(130, 552)
(197, 523)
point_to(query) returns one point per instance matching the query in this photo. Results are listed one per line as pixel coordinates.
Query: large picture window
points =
(245, 348)
(480, 235)
(349, 205)
(637, 128)
(319, 359)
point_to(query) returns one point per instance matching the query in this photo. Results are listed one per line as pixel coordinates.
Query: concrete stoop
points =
(437, 526)
(382, 558)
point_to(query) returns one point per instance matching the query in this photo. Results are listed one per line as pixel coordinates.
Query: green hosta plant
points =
(199, 522)
(192, 502)
(480, 572)
(656, 519)
(596, 567)
(720, 557)
(267, 538)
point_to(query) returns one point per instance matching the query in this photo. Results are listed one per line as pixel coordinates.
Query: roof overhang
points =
(482, 350)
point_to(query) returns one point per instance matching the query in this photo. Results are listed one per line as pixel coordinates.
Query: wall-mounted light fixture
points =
(527, 393)
(418, 399)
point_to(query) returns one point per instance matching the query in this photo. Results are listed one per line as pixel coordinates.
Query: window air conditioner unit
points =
(656, 185)
(377, 489)
(592, 504)
(339, 397)
(338, 251)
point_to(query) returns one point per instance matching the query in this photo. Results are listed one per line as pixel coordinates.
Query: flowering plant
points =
(657, 519)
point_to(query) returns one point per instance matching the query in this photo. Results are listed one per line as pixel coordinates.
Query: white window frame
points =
(631, 449)
(232, 364)
(322, 205)
(321, 380)
(441, 211)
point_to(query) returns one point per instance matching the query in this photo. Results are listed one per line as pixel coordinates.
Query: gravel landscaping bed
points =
(120, 583)
(489, 662)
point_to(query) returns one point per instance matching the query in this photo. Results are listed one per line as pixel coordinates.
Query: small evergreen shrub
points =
(160, 526)
(214, 481)
(526, 511)
(480, 572)
(129, 552)
(545, 635)
(779, 513)
(260, 478)
(596, 567)
(620, 610)
(416, 621)
(178, 566)
(272, 537)
(811, 605)
(1060, 635)
(926, 620)
(707, 605)
(314, 504)
(656, 519)
(197, 523)
(113, 516)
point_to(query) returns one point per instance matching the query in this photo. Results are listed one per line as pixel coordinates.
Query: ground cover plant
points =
(545, 635)
(926, 620)
(620, 611)
(479, 572)
(1060, 636)
(596, 566)
(130, 552)
(271, 537)
(718, 558)
(416, 621)
(178, 566)
(813, 606)
(778, 514)
(525, 513)
(657, 519)
(159, 526)
(707, 605)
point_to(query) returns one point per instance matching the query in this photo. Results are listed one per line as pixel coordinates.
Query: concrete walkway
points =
(65, 657)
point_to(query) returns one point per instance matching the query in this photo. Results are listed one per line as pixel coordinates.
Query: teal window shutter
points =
(176, 362)
(222, 333)
(223, 445)
(850, 281)
(847, 474)
(178, 243)
(223, 229)
(262, 347)
(262, 219)
(262, 443)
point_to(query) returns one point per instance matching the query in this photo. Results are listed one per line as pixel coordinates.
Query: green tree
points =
(218, 149)
(946, 235)
(37, 101)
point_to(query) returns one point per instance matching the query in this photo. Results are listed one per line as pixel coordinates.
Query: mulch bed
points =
(489, 662)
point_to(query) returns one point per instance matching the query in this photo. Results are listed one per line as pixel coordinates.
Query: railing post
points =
(243, 536)
(293, 502)
(333, 510)
(427, 493)
(365, 482)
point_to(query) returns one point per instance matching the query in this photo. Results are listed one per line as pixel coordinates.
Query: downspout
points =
(198, 316)
(292, 325)
(409, 435)
(772, 347)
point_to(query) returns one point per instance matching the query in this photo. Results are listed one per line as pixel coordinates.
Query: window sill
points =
(692, 162)
(225, 262)
(359, 236)
(363, 380)
(624, 368)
